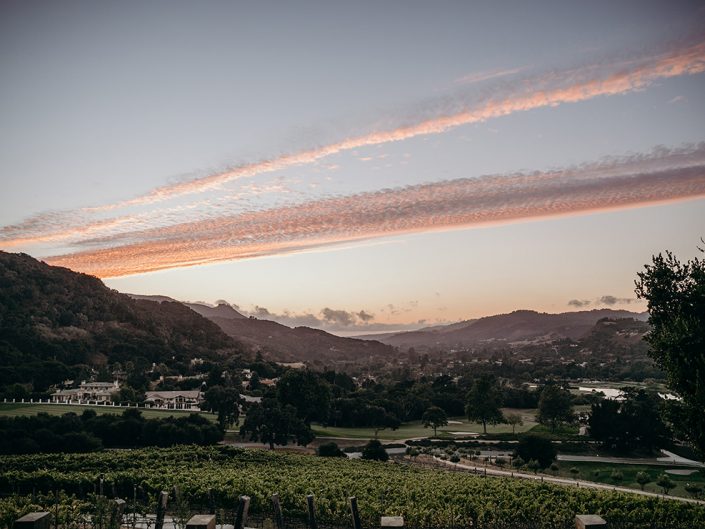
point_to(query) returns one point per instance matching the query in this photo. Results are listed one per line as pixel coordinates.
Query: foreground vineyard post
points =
(590, 521)
(311, 512)
(243, 506)
(161, 509)
(278, 516)
(117, 509)
(201, 521)
(34, 520)
(355, 513)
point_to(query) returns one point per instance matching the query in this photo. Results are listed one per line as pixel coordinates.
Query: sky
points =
(355, 166)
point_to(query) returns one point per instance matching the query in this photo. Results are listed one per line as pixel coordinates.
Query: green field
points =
(424, 497)
(408, 430)
(17, 409)
(601, 473)
(415, 429)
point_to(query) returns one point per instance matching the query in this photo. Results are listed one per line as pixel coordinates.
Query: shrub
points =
(538, 448)
(330, 450)
(374, 451)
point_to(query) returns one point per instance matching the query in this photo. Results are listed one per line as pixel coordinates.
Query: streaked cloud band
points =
(639, 180)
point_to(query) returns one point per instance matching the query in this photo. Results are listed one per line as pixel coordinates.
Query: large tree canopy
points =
(306, 391)
(434, 417)
(555, 406)
(675, 293)
(484, 401)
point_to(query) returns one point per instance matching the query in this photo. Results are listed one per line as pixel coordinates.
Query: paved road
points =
(670, 457)
(668, 461)
(561, 481)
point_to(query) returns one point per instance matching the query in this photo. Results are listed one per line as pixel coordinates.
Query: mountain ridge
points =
(504, 329)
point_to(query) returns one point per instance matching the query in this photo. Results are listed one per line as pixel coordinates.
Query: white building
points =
(175, 400)
(87, 393)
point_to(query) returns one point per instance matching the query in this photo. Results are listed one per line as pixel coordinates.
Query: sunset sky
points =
(355, 166)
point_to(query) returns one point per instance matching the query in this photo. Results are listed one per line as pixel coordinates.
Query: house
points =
(175, 400)
(249, 399)
(87, 393)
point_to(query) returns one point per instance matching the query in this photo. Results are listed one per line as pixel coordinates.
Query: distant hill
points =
(612, 338)
(506, 329)
(281, 343)
(53, 314)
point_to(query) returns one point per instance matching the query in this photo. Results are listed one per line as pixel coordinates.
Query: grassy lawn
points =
(602, 472)
(15, 409)
(415, 428)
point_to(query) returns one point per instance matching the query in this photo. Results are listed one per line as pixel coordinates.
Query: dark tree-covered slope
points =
(51, 314)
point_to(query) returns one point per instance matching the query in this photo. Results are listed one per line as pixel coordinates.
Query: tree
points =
(555, 406)
(642, 478)
(533, 465)
(271, 423)
(307, 392)
(225, 402)
(483, 402)
(540, 449)
(129, 395)
(434, 417)
(617, 476)
(665, 483)
(380, 419)
(374, 451)
(675, 293)
(694, 489)
(515, 420)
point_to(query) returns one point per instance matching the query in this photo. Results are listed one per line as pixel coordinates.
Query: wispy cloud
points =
(334, 320)
(526, 92)
(610, 300)
(607, 299)
(547, 90)
(642, 179)
(479, 77)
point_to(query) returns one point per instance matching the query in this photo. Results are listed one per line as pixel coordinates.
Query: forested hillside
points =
(53, 319)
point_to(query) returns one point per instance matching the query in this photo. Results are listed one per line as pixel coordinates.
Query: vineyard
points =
(211, 478)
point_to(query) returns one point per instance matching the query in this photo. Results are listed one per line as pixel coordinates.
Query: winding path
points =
(561, 481)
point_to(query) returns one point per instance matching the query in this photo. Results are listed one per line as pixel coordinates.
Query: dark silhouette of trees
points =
(89, 432)
(271, 423)
(635, 422)
(675, 293)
